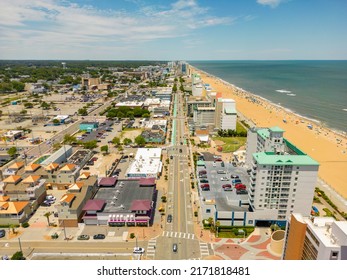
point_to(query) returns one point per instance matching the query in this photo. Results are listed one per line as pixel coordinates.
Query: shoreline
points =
(256, 96)
(324, 144)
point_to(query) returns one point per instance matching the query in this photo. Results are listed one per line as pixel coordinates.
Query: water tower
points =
(64, 65)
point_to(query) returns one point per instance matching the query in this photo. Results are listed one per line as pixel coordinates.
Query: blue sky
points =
(168, 30)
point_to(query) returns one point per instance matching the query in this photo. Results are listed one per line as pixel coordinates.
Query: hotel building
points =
(282, 177)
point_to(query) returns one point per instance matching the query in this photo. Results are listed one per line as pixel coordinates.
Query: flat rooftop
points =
(120, 197)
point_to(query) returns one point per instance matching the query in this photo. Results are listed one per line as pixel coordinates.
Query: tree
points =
(23, 112)
(90, 144)
(116, 141)
(140, 140)
(68, 139)
(127, 141)
(28, 105)
(12, 151)
(45, 105)
(104, 149)
(18, 86)
(56, 146)
(18, 256)
(47, 215)
(82, 112)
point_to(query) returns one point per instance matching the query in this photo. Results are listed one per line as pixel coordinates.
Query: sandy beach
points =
(327, 147)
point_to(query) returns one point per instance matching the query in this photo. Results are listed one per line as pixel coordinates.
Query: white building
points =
(147, 164)
(315, 238)
(226, 115)
(282, 177)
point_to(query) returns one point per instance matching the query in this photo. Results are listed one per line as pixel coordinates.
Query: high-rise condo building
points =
(282, 177)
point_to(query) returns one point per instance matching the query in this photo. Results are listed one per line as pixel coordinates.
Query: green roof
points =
(267, 158)
(276, 129)
(230, 111)
(264, 133)
(200, 163)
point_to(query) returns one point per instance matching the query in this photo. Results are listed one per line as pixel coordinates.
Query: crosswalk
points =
(178, 234)
(150, 252)
(204, 249)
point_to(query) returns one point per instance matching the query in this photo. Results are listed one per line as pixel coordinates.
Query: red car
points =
(218, 159)
(240, 186)
(226, 186)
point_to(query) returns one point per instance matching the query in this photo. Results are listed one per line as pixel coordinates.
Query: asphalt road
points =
(181, 230)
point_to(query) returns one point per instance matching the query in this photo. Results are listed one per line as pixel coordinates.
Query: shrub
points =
(25, 225)
(132, 235)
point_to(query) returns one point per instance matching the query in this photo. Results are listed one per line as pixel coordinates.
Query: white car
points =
(50, 197)
(224, 179)
(214, 164)
(138, 250)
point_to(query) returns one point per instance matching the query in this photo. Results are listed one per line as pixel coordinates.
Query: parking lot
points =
(224, 199)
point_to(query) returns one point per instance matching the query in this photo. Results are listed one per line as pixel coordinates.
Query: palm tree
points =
(47, 215)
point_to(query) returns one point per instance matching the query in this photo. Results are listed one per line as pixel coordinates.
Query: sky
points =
(173, 30)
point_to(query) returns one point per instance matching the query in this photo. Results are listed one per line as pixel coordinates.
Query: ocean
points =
(314, 89)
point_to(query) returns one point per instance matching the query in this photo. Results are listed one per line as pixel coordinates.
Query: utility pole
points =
(20, 245)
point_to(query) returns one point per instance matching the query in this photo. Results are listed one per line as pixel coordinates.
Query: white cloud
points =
(271, 3)
(56, 25)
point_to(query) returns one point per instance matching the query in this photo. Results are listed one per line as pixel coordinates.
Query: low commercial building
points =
(59, 156)
(128, 203)
(147, 164)
(157, 137)
(62, 118)
(315, 238)
(13, 134)
(88, 126)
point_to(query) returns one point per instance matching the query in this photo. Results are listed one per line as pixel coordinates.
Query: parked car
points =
(218, 159)
(83, 237)
(138, 250)
(44, 204)
(205, 187)
(50, 197)
(202, 172)
(214, 164)
(240, 187)
(171, 157)
(174, 247)
(226, 186)
(221, 172)
(234, 177)
(169, 218)
(2, 233)
(99, 236)
(242, 191)
(86, 168)
(202, 176)
(227, 189)
(203, 181)
(222, 164)
(224, 179)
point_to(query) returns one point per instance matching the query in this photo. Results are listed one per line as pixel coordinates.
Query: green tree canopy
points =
(68, 139)
(90, 144)
(127, 141)
(116, 141)
(12, 151)
(139, 140)
(104, 149)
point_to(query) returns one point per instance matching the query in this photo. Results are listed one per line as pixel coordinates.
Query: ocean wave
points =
(344, 110)
(291, 94)
(283, 91)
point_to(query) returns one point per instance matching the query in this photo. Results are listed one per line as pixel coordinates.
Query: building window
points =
(334, 255)
(208, 210)
(250, 222)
